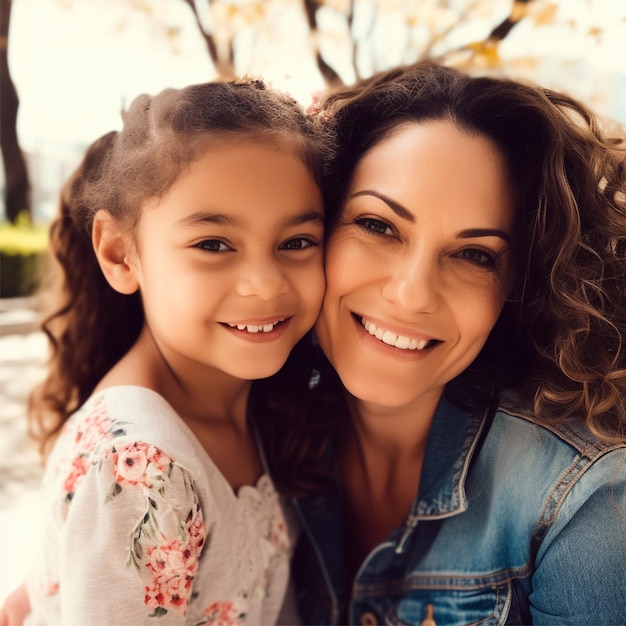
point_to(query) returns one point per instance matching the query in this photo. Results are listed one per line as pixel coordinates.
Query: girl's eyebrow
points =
(220, 219)
(398, 209)
(306, 217)
(202, 217)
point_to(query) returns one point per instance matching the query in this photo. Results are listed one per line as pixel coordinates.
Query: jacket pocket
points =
(452, 607)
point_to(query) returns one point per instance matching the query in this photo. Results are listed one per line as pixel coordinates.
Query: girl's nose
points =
(262, 278)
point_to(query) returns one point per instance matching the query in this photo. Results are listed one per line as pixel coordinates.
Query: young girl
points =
(191, 248)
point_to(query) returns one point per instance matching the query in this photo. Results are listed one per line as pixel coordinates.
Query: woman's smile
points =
(402, 340)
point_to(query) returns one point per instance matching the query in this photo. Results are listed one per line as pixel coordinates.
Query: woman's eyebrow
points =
(398, 209)
(470, 233)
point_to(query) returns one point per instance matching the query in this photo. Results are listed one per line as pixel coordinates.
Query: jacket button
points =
(368, 619)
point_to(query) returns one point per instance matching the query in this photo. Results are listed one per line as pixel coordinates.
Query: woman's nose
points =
(263, 278)
(412, 283)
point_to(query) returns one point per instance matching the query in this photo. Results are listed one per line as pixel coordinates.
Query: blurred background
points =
(68, 67)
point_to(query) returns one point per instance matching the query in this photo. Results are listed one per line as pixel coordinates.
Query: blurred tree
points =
(17, 186)
(350, 39)
(338, 41)
(220, 44)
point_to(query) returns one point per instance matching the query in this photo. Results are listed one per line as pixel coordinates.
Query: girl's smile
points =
(259, 331)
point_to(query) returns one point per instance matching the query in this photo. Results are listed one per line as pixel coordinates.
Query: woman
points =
(471, 460)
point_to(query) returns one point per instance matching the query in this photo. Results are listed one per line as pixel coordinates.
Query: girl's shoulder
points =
(126, 418)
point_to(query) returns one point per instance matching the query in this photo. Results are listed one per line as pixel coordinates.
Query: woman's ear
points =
(113, 249)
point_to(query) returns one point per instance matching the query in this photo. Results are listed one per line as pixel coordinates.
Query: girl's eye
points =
(375, 226)
(297, 243)
(213, 245)
(478, 257)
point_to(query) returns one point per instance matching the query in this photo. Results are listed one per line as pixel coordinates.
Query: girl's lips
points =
(391, 338)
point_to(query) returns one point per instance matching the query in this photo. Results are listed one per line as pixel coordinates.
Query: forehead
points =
(436, 164)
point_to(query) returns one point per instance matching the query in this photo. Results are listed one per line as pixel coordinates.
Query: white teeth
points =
(403, 342)
(390, 338)
(256, 328)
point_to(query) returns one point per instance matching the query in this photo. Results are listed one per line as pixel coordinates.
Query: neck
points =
(380, 463)
(196, 392)
(395, 432)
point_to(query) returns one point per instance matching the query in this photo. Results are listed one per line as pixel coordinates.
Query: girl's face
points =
(419, 265)
(230, 261)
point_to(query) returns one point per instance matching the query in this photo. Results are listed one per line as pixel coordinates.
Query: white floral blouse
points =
(142, 528)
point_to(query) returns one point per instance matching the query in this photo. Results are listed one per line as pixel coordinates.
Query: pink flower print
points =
(140, 464)
(171, 594)
(183, 558)
(79, 468)
(170, 560)
(158, 459)
(155, 599)
(158, 561)
(93, 428)
(224, 614)
(159, 597)
(52, 589)
(195, 528)
(173, 567)
(131, 464)
(178, 590)
(279, 533)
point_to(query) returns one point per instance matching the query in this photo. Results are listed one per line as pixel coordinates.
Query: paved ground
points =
(22, 356)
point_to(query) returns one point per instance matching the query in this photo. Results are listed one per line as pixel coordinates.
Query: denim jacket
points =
(517, 521)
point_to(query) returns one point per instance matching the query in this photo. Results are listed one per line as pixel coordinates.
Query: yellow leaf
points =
(486, 52)
(547, 15)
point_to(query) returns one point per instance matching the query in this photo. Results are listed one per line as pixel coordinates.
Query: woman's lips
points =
(391, 338)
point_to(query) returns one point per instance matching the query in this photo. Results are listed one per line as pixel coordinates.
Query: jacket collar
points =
(454, 437)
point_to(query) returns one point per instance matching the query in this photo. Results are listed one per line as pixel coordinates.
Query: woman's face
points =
(419, 265)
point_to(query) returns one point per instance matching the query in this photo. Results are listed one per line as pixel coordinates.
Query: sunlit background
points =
(76, 63)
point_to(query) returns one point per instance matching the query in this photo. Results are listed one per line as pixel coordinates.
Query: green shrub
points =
(23, 254)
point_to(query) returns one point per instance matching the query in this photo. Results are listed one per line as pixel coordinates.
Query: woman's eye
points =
(297, 243)
(373, 225)
(479, 257)
(213, 245)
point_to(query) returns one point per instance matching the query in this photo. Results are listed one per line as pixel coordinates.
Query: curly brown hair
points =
(560, 339)
(561, 336)
(92, 326)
